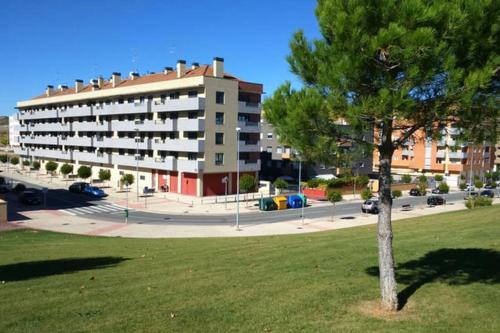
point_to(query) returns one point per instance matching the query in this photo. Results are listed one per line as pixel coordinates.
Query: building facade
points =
(13, 131)
(176, 127)
(447, 157)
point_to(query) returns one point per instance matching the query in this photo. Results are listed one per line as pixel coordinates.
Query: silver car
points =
(370, 206)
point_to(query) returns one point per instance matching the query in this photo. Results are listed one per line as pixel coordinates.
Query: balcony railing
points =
(248, 107)
(43, 114)
(80, 141)
(92, 157)
(51, 127)
(179, 145)
(125, 108)
(249, 165)
(76, 111)
(249, 126)
(181, 104)
(55, 153)
(92, 126)
(125, 143)
(39, 139)
(249, 146)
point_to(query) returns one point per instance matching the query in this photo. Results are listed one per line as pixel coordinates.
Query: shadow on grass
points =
(35, 269)
(451, 266)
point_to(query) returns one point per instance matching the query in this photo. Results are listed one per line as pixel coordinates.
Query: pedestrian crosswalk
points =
(94, 209)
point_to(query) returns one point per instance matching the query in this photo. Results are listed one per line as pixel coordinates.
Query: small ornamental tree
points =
(104, 175)
(478, 184)
(444, 188)
(462, 186)
(3, 158)
(438, 178)
(280, 185)
(127, 179)
(36, 165)
(366, 194)
(397, 194)
(84, 172)
(51, 167)
(422, 179)
(406, 179)
(14, 160)
(66, 169)
(333, 196)
(247, 184)
(26, 163)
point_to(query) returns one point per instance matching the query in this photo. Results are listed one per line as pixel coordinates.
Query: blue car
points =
(94, 192)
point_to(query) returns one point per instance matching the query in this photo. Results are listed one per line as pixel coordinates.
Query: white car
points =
(370, 206)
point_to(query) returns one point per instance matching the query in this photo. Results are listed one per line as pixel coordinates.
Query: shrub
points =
(26, 163)
(422, 187)
(362, 180)
(462, 177)
(3, 158)
(127, 179)
(66, 169)
(84, 172)
(406, 179)
(248, 183)
(35, 165)
(422, 179)
(462, 186)
(104, 175)
(338, 182)
(397, 193)
(14, 160)
(476, 177)
(366, 194)
(478, 202)
(314, 183)
(279, 183)
(51, 166)
(493, 185)
(444, 188)
(488, 175)
(438, 178)
(478, 184)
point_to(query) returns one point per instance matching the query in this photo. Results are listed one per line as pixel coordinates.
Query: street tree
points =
(104, 175)
(280, 185)
(333, 196)
(14, 160)
(395, 69)
(66, 169)
(127, 179)
(26, 163)
(247, 184)
(51, 167)
(84, 172)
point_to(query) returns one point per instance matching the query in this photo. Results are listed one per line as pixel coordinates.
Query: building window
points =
(219, 118)
(193, 115)
(219, 138)
(192, 135)
(269, 149)
(279, 150)
(269, 135)
(142, 178)
(174, 115)
(219, 97)
(192, 94)
(219, 158)
(192, 156)
(174, 95)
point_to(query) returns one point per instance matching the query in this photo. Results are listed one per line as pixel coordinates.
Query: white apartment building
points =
(178, 127)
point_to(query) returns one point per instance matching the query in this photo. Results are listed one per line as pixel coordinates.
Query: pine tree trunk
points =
(388, 287)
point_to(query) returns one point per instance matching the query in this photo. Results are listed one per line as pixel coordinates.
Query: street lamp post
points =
(303, 197)
(225, 180)
(137, 162)
(126, 205)
(471, 161)
(238, 178)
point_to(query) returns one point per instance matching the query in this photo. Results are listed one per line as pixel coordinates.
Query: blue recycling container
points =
(294, 201)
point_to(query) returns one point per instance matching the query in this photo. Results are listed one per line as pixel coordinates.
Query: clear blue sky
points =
(56, 42)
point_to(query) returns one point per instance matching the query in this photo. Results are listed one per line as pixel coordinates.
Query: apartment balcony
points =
(23, 128)
(167, 125)
(92, 126)
(76, 111)
(452, 154)
(181, 104)
(249, 146)
(249, 165)
(193, 166)
(407, 152)
(179, 145)
(39, 140)
(125, 108)
(83, 156)
(121, 143)
(20, 151)
(51, 127)
(247, 107)
(167, 163)
(49, 153)
(249, 126)
(80, 141)
(44, 114)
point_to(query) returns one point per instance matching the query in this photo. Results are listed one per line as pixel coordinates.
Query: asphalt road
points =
(63, 199)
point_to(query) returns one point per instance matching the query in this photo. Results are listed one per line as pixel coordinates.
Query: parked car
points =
(435, 200)
(469, 188)
(4, 189)
(370, 206)
(2, 181)
(416, 192)
(78, 187)
(437, 191)
(487, 193)
(471, 195)
(30, 198)
(488, 187)
(94, 191)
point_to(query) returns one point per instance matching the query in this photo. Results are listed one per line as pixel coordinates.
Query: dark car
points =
(487, 193)
(30, 198)
(4, 189)
(435, 200)
(488, 187)
(78, 187)
(416, 192)
(370, 206)
(471, 195)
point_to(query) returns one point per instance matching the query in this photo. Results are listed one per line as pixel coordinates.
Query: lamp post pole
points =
(238, 178)
(471, 152)
(300, 192)
(126, 205)
(137, 162)
(225, 181)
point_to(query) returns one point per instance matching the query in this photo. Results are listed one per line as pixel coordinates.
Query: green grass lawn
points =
(448, 268)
